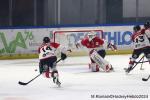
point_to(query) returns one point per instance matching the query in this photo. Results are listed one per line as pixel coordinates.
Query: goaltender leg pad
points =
(94, 67)
(102, 63)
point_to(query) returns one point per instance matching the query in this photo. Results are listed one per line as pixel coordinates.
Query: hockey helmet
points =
(46, 40)
(147, 24)
(91, 35)
(136, 28)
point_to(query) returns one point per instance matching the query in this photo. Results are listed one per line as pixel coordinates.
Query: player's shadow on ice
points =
(89, 72)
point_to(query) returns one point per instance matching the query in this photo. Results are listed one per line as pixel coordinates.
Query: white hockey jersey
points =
(140, 40)
(50, 49)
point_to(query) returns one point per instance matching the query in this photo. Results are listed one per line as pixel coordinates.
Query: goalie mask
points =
(91, 35)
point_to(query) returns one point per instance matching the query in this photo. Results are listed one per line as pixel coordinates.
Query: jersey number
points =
(47, 48)
(140, 39)
(45, 51)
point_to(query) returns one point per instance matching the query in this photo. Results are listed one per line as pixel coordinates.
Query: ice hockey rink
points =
(78, 83)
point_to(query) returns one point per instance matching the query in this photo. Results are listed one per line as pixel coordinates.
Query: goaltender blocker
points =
(48, 58)
(96, 52)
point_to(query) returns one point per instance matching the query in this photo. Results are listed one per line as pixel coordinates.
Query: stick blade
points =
(143, 79)
(22, 83)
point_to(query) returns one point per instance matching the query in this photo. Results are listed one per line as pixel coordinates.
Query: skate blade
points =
(58, 84)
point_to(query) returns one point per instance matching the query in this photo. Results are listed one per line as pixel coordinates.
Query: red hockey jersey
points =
(94, 43)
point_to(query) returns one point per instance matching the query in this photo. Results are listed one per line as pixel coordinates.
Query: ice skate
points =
(56, 81)
(128, 70)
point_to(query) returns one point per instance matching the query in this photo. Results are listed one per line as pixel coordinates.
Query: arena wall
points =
(24, 42)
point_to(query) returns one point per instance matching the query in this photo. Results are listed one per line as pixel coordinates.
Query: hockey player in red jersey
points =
(140, 44)
(96, 52)
(48, 58)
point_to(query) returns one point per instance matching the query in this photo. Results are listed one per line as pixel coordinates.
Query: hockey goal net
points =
(69, 38)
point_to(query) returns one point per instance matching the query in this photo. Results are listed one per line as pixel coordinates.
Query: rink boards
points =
(23, 42)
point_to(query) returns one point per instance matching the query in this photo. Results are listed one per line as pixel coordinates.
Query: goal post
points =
(69, 38)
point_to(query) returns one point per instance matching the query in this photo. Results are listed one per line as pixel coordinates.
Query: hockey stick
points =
(25, 83)
(142, 65)
(142, 62)
(146, 79)
(136, 63)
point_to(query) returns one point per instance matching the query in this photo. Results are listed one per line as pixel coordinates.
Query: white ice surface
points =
(78, 83)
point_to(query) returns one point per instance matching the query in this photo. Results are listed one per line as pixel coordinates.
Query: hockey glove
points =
(63, 56)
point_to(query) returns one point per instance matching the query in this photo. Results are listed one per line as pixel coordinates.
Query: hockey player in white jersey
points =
(48, 58)
(141, 45)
